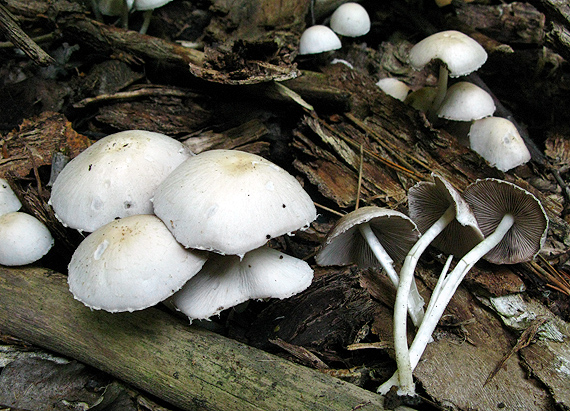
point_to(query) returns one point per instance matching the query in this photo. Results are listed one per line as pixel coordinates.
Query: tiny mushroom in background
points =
(226, 281)
(114, 178)
(372, 236)
(515, 226)
(130, 264)
(350, 20)
(23, 239)
(231, 202)
(148, 7)
(498, 141)
(9, 201)
(446, 222)
(394, 87)
(318, 39)
(457, 53)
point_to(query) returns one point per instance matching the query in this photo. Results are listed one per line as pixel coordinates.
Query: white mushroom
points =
(226, 281)
(130, 264)
(9, 201)
(394, 87)
(498, 141)
(465, 101)
(318, 39)
(114, 178)
(231, 202)
(23, 239)
(351, 20)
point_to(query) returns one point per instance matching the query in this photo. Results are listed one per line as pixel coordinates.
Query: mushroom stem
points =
(449, 285)
(403, 295)
(441, 91)
(147, 15)
(415, 301)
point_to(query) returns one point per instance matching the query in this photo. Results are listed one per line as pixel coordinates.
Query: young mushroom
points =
(498, 141)
(23, 239)
(114, 178)
(318, 39)
(446, 222)
(457, 53)
(515, 226)
(130, 264)
(226, 281)
(394, 87)
(372, 236)
(350, 20)
(465, 101)
(231, 202)
(9, 201)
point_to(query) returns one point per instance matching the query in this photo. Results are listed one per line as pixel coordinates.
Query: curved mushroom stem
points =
(415, 301)
(147, 15)
(441, 91)
(402, 296)
(449, 285)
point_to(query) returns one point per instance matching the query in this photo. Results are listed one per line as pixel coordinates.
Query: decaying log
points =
(188, 367)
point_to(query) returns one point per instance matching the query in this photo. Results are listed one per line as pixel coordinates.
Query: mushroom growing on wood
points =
(23, 239)
(350, 20)
(372, 236)
(231, 202)
(465, 101)
(318, 39)
(515, 226)
(458, 54)
(130, 264)
(114, 178)
(226, 281)
(9, 201)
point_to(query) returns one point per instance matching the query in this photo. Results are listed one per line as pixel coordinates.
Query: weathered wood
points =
(188, 367)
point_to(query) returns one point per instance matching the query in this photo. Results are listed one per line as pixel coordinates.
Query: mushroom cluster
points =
(162, 219)
(23, 238)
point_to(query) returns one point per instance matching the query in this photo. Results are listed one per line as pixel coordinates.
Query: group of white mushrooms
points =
(493, 219)
(164, 223)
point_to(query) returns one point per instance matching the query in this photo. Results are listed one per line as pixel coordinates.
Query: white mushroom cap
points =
(114, 7)
(460, 53)
(9, 201)
(23, 239)
(318, 39)
(498, 141)
(231, 202)
(130, 264)
(149, 4)
(114, 178)
(226, 281)
(351, 20)
(394, 87)
(466, 102)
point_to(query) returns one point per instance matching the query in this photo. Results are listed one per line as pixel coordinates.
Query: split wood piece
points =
(185, 366)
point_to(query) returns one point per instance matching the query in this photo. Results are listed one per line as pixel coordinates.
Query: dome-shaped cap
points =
(231, 202)
(9, 201)
(226, 281)
(466, 102)
(394, 87)
(460, 53)
(130, 264)
(318, 39)
(428, 201)
(345, 245)
(498, 141)
(23, 239)
(114, 178)
(351, 20)
(490, 200)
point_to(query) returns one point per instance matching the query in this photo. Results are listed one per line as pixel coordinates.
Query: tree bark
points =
(188, 367)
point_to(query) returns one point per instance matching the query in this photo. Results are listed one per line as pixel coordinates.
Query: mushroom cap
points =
(428, 201)
(9, 201)
(23, 239)
(130, 264)
(318, 39)
(231, 202)
(113, 7)
(490, 199)
(394, 87)
(345, 245)
(466, 102)
(498, 141)
(351, 20)
(460, 53)
(226, 281)
(149, 4)
(114, 178)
